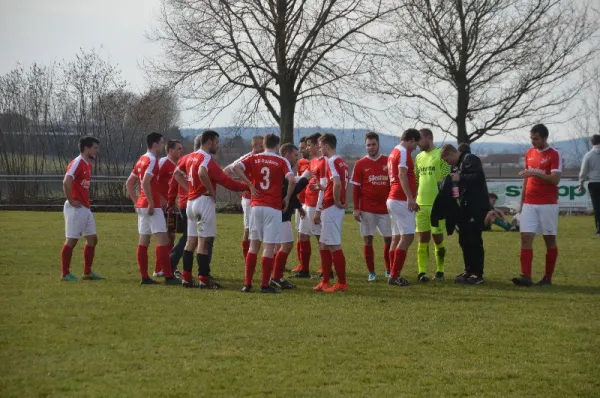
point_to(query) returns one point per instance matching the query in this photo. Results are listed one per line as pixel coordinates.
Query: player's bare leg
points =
(250, 264)
(281, 257)
(526, 260)
(65, 258)
(88, 258)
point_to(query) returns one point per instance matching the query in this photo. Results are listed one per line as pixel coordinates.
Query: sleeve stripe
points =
(206, 161)
(151, 165)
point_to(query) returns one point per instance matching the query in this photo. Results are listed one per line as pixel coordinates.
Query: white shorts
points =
(287, 233)
(150, 225)
(202, 217)
(539, 219)
(78, 221)
(246, 210)
(332, 219)
(371, 222)
(297, 220)
(307, 227)
(403, 220)
(265, 224)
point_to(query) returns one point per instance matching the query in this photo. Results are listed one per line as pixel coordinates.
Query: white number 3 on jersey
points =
(265, 183)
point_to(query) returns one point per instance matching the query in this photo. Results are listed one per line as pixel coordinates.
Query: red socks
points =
(369, 258)
(267, 269)
(326, 260)
(65, 259)
(164, 261)
(280, 260)
(398, 263)
(305, 252)
(250, 266)
(245, 247)
(142, 259)
(551, 256)
(526, 260)
(299, 252)
(157, 267)
(386, 256)
(339, 261)
(88, 259)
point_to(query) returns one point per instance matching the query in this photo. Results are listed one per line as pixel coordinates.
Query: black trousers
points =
(594, 188)
(470, 238)
(177, 251)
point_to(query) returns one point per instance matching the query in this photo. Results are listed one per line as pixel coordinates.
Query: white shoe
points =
(372, 277)
(158, 274)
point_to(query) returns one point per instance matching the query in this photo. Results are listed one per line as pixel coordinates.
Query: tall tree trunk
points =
(462, 105)
(288, 109)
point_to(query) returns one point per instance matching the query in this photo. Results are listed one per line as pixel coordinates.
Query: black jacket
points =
(474, 200)
(445, 207)
(294, 202)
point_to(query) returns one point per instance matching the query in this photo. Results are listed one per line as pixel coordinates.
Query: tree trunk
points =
(462, 106)
(288, 110)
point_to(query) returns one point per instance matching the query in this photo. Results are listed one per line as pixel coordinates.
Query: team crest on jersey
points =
(544, 160)
(85, 184)
(385, 168)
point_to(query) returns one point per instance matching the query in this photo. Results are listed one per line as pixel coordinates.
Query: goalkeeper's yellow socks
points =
(422, 257)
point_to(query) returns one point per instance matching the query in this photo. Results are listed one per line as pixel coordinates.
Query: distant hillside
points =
(350, 141)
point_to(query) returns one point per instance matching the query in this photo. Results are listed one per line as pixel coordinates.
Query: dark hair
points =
(372, 136)
(287, 148)
(464, 147)
(313, 138)
(447, 149)
(426, 133)
(302, 139)
(541, 130)
(208, 135)
(596, 139)
(329, 140)
(411, 135)
(271, 141)
(153, 138)
(171, 144)
(87, 142)
(493, 195)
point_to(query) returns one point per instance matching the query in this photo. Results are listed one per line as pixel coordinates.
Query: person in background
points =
(590, 171)
(495, 216)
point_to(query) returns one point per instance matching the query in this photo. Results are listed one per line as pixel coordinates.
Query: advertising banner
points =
(509, 194)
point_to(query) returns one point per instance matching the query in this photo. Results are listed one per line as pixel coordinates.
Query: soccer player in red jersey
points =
(370, 192)
(539, 204)
(257, 147)
(79, 220)
(166, 168)
(203, 174)
(266, 172)
(302, 165)
(151, 220)
(332, 217)
(402, 203)
(313, 199)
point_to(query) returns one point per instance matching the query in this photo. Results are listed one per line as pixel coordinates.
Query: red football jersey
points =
(317, 167)
(302, 166)
(147, 164)
(372, 178)
(400, 157)
(266, 171)
(175, 190)
(166, 167)
(245, 194)
(336, 167)
(546, 161)
(194, 161)
(81, 171)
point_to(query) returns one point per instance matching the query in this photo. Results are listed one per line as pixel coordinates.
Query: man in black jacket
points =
(468, 175)
(290, 152)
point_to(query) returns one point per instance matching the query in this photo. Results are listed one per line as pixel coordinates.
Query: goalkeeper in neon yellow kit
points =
(429, 170)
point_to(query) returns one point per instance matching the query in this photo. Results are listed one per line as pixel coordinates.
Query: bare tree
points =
(252, 55)
(483, 67)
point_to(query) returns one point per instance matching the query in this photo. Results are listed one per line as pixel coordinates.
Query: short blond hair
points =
(447, 149)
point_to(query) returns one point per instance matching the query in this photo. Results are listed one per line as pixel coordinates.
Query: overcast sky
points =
(45, 31)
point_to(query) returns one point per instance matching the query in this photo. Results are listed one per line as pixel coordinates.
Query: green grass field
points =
(117, 338)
